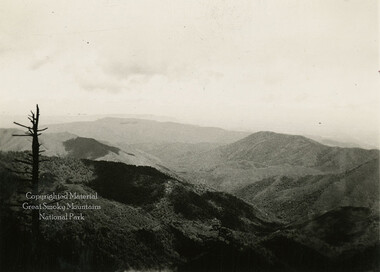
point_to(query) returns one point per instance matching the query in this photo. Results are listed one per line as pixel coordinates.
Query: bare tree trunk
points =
(34, 132)
(35, 174)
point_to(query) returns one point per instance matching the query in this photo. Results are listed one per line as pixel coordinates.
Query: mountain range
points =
(188, 198)
(273, 171)
(267, 154)
(133, 131)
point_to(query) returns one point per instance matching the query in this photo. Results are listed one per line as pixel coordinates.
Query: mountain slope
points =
(348, 226)
(299, 197)
(272, 149)
(146, 220)
(88, 148)
(171, 153)
(268, 154)
(344, 239)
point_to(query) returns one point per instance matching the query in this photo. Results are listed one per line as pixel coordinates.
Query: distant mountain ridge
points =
(350, 143)
(133, 131)
(266, 154)
(270, 148)
(68, 121)
(288, 176)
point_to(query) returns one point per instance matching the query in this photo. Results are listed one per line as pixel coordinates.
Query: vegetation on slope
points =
(292, 198)
(264, 155)
(149, 220)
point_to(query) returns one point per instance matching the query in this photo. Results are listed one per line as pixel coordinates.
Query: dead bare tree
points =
(33, 162)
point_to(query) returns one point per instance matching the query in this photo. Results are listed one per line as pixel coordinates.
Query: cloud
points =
(95, 80)
(115, 77)
(125, 70)
(100, 84)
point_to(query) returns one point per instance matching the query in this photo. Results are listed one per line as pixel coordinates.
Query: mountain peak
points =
(278, 139)
(270, 148)
(81, 147)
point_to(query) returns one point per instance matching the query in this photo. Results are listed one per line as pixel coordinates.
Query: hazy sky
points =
(302, 66)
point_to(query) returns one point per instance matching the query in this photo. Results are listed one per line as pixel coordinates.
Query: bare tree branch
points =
(21, 125)
(30, 135)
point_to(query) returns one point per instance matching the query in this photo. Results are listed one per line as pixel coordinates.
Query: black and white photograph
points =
(189, 135)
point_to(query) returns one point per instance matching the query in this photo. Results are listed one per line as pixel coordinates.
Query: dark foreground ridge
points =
(151, 221)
